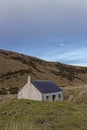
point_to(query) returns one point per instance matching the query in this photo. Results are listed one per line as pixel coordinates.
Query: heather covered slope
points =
(15, 67)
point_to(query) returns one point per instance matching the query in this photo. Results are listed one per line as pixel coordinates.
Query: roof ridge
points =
(42, 80)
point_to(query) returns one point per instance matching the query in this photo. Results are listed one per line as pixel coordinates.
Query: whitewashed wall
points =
(51, 96)
(35, 94)
(24, 92)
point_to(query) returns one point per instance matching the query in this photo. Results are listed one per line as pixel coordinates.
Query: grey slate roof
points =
(46, 86)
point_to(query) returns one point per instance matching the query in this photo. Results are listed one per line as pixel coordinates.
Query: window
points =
(59, 96)
(47, 98)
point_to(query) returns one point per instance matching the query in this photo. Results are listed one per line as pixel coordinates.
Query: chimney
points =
(29, 80)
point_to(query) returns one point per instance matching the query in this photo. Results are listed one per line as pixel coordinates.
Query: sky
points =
(53, 30)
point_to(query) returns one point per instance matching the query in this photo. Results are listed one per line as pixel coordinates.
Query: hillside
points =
(15, 67)
(32, 115)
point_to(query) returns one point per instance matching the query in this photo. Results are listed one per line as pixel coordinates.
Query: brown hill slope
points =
(15, 67)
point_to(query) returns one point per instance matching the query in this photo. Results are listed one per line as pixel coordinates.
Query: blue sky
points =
(54, 30)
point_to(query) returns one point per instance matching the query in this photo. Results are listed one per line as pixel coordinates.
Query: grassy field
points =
(33, 115)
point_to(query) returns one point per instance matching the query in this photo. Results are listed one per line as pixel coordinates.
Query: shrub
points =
(13, 90)
(3, 91)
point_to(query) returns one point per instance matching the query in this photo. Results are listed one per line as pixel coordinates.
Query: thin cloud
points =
(75, 57)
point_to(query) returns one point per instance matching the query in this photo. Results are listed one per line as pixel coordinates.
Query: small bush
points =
(3, 91)
(13, 90)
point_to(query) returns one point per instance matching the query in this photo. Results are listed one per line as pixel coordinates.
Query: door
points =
(54, 97)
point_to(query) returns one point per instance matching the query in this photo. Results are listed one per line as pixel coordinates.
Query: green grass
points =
(33, 115)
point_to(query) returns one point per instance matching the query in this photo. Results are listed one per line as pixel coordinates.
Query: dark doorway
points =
(54, 96)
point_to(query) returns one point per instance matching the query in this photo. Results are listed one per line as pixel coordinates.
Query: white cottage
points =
(41, 90)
